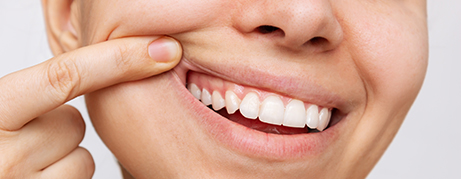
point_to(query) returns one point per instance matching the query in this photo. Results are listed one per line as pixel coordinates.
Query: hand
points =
(39, 136)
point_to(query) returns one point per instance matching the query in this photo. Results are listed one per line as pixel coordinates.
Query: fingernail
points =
(164, 49)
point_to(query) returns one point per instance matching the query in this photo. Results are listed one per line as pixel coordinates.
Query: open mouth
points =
(259, 109)
(265, 116)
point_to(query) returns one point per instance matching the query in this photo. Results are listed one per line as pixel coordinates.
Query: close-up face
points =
(298, 89)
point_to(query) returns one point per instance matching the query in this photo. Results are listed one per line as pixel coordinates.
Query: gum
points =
(216, 84)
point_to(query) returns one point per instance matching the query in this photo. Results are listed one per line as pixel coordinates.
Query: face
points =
(349, 69)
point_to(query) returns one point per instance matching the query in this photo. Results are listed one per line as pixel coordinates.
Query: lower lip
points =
(250, 142)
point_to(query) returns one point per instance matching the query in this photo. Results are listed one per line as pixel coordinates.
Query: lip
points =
(250, 142)
(285, 85)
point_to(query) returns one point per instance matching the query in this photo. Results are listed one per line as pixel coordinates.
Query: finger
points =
(51, 136)
(79, 164)
(39, 89)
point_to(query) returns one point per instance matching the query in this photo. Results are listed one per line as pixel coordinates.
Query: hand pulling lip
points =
(285, 85)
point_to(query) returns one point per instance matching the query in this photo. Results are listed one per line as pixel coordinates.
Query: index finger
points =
(31, 92)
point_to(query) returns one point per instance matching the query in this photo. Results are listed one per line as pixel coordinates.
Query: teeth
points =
(218, 102)
(312, 116)
(295, 114)
(232, 102)
(272, 110)
(206, 97)
(193, 88)
(249, 107)
(323, 119)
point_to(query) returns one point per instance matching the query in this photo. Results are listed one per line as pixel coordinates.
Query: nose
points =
(294, 24)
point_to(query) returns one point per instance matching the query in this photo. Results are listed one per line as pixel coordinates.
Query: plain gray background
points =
(428, 144)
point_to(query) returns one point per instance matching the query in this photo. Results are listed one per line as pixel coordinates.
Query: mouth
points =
(256, 120)
(258, 109)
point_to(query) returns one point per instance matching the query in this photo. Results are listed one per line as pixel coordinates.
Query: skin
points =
(39, 135)
(373, 54)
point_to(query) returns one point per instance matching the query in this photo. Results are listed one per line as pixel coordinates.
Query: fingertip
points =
(165, 50)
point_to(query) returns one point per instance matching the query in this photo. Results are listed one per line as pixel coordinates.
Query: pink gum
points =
(212, 84)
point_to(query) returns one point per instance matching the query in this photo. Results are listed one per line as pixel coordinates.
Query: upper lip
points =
(253, 143)
(290, 86)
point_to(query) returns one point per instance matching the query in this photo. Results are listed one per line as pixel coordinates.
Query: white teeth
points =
(312, 116)
(206, 97)
(218, 102)
(232, 102)
(193, 88)
(272, 110)
(295, 114)
(249, 107)
(323, 119)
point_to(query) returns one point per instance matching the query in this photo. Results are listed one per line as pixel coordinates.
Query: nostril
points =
(318, 41)
(266, 29)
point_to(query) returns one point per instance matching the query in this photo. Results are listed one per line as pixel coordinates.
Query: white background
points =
(427, 146)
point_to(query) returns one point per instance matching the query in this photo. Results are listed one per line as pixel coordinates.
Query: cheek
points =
(141, 119)
(146, 17)
(390, 54)
(392, 58)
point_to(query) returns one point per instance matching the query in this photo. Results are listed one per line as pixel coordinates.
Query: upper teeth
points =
(295, 114)
(232, 102)
(217, 101)
(271, 110)
(250, 106)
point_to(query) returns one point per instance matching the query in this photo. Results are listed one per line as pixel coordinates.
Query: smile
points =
(271, 109)
(259, 122)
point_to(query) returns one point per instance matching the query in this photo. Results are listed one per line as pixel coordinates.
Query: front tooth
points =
(232, 102)
(312, 116)
(272, 110)
(323, 119)
(206, 97)
(249, 107)
(218, 101)
(194, 90)
(295, 114)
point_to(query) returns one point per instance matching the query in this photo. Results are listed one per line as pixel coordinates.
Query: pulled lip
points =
(253, 143)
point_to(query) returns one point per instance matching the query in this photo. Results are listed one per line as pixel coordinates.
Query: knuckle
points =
(87, 162)
(79, 127)
(63, 122)
(72, 111)
(79, 164)
(63, 78)
(75, 122)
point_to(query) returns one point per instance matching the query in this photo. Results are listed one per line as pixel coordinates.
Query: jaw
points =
(146, 128)
(144, 115)
(159, 118)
